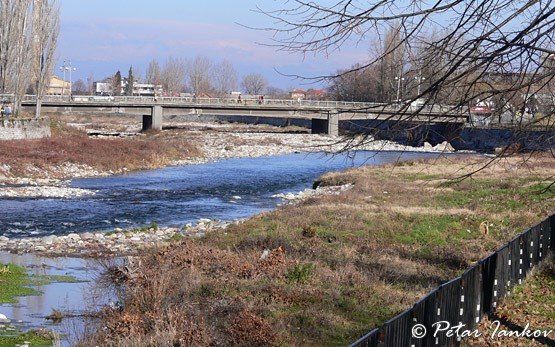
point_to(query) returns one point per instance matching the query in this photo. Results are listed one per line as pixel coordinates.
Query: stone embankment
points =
(130, 242)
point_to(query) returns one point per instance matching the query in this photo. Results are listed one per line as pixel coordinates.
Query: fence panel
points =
(502, 275)
(398, 331)
(467, 298)
(488, 267)
(514, 263)
(420, 311)
(551, 233)
(448, 310)
(368, 340)
(471, 297)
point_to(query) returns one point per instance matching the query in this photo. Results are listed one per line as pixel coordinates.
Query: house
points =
(139, 89)
(57, 86)
(316, 94)
(298, 94)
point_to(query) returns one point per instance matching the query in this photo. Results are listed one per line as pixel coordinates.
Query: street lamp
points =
(399, 79)
(419, 79)
(67, 67)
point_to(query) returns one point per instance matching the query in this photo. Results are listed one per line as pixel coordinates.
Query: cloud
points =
(138, 40)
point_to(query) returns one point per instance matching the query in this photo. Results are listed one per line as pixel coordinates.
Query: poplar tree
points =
(116, 84)
(130, 82)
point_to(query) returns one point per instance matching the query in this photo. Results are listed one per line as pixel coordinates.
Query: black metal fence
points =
(466, 299)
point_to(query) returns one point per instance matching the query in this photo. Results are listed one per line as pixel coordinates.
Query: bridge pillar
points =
(328, 126)
(154, 120)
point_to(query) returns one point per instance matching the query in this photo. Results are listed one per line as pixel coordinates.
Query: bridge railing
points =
(168, 101)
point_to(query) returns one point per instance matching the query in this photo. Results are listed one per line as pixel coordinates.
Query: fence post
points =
(488, 267)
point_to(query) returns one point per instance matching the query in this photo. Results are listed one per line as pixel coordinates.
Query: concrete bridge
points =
(325, 115)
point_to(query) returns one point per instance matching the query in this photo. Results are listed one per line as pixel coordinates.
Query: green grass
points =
(535, 297)
(35, 339)
(14, 282)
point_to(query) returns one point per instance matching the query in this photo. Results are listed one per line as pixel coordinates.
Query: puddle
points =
(74, 298)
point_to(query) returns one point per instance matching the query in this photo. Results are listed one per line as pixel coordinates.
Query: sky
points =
(102, 36)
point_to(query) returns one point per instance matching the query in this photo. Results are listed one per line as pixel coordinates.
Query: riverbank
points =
(43, 168)
(327, 270)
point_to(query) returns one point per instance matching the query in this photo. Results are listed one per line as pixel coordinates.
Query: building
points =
(145, 89)
(316, 94)
(298, 94)
(139, 89)
(57, 86)
(102, 88)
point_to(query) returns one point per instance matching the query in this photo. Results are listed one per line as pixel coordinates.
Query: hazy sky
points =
(102, 36)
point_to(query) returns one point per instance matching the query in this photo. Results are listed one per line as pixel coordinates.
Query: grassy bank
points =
(531, 305)
(329, 269)
(47, 157)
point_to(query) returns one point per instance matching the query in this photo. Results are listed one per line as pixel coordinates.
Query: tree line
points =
(200, 76)
(28, 39)
(455, 52)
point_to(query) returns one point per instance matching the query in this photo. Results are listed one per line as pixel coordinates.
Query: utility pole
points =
(67, 67)
(399, 79)
(419, 79)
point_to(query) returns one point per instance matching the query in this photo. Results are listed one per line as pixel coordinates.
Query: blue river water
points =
(174, 196)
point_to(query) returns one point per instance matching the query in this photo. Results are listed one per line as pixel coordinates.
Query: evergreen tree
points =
(130, 82)
(116, 84)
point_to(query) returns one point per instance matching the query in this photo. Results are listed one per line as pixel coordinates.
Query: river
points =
(173, 196)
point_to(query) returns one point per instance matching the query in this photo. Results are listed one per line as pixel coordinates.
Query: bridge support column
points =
(328, 126)
(154, 120)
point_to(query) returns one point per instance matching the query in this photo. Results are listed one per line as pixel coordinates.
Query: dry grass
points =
(32, 158)
(339, 265)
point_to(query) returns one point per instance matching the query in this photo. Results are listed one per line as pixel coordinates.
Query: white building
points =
(139, 89)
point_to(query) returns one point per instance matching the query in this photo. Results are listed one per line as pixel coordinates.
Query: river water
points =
(225, 190)
(174, 196)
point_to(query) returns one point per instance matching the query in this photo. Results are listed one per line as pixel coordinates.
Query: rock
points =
(74, 236)
(265, 254)
(444, 147)
(48, 240)
(40, 248)
(427, 146)
(4, 239)
(204, 220)
(87, 236)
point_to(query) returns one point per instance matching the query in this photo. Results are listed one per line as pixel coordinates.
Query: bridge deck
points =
(304, 109)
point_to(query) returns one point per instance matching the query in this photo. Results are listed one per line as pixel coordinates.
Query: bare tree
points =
(173, 75)
(28, 37)
(225, 78)
(254, 84)
(79, 87)
(466, 48)
(46, 27)
(90, 83)
(200, 75)
(154, 73)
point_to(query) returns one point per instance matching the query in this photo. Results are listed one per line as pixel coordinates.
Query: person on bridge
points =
(8, 111)
(2, 111)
